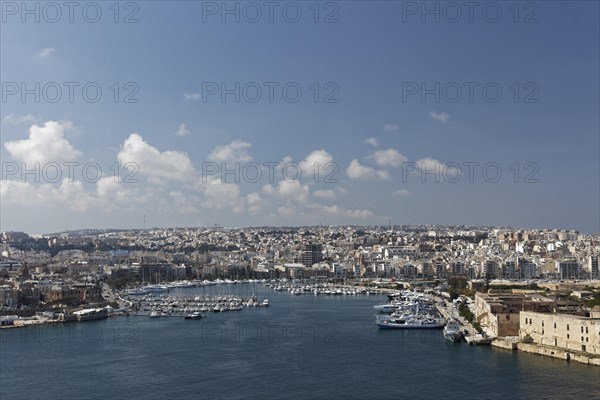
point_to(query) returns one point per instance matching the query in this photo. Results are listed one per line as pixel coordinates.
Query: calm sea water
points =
(302, 347)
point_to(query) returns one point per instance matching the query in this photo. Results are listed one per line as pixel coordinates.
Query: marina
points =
(177, 306)
(197, 300)
(316, 289)
(409, 310)
(296, 335)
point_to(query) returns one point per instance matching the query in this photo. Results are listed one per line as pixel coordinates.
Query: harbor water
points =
(301, 347)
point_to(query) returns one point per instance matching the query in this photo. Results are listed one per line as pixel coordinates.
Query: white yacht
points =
(452, 331)
(135, 292)
(412, 323)
(195, 315)
(155, 288)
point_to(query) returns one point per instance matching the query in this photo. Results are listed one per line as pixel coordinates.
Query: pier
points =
(449, 312)
(177, 306)
(477, 340)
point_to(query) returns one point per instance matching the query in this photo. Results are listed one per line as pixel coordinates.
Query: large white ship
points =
(155, 288)
(90, 314)
(452, 331)
(414, 322)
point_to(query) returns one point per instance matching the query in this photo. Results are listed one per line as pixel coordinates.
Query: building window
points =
(542, 324)
(555, 342)
(582, 329)
(586, 329)
(567, 336)
(555, 325)
(587, 339)
(567, 326)
(582, 338)
(583, 347)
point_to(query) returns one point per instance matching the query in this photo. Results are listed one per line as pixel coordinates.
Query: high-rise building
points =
(568, 269)
(594, 267)
(509, 270)
(491, 269)
(439, 270)
(527, 269)
(337, 270)
(313, 253)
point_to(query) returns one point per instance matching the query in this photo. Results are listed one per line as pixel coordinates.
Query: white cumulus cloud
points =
(430, 164)
(236, 151)
(325, 194)
(182, 203)
(391, 127)
(356, 170)
(402, 192)
(13, 119)
(330, 193)
(46, 143)
(191, 96)
(153, 163)
(113, 193)
(69, 193)
(222, 195)
(346, 213)
(46, 52)
(442, 117)
(254, 201)
(315, 162)
(183, 130)
(388, 158)
(290, 190)
(372, 141)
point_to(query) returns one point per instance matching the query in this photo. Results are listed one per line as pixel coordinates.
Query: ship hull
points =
(452, 336)
(90, 315)
(392, 325)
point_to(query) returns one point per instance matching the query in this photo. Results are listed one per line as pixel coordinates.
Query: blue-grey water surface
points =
(302, 347)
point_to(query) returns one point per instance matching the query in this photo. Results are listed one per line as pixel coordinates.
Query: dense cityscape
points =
(502, 279)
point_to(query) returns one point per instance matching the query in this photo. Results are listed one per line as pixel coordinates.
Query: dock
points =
(478, 340)
(473, 340)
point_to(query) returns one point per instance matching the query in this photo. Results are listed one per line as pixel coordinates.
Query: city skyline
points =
(396, 228)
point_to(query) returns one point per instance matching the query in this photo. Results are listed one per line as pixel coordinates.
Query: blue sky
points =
(375, 134)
